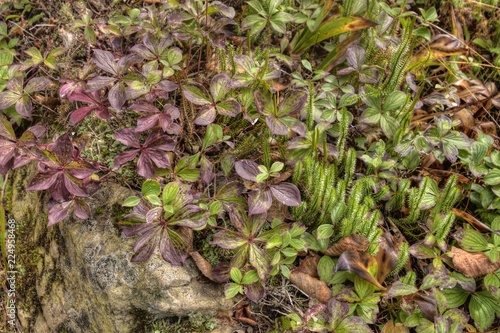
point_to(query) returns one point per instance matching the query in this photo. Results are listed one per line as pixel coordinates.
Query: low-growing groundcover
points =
(333, 164)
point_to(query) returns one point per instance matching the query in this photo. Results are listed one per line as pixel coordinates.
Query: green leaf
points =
(394, 101)
(261, 177)
(363, 288)
(189, 175)
(260, 261)
(401, 289)
(131, 201)
(35, 55)
(170, 192)
(153, 199)
(483, 308)
(371, 116)
(89, 35)
(255, 23)
(276, 167)
(492, 178)
(325, 231)
(196, 95)
(422, 32)
(236, 275)
(455, 296)
(232, 290)
(326, 269)
(389, 125)
(151, 187)
(473, 241)
(250, 277)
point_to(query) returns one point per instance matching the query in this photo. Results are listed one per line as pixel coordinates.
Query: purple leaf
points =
(16, 85)
(195, 94)
(6, 129)
(220, 85)
(260, 261)
(247, 169)
(295, 125)
(37, 84)
(58, 191)
(255, 291)
(276, 126)
(207, 173)
(100, 82)
(337, 310)
(144, 253)
(68, 88)
(160, 159)
(228, 240)
(43, 181)
(293, 103)
(63, 149)
(167, 86)
(128, 137)
(105, 61)
(124, 157)
(81, 210)
(170, 253)
(145, 166)
(144, 239)
(206, 115)
(80, 169)
(264, 102)
(82, 96)
(286, 193)
(77, 115)
(59, 212)
(153, 215)
(73, 187)
(7, 98)
(355, 56)
(229, 107)
(24, 107)
(259, 201)
(146, 123)
(117, 96)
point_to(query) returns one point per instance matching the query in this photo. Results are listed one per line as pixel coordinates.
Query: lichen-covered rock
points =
(85, 281)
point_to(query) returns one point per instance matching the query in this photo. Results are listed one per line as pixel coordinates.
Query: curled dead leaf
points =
(352, 242)
(478, 225)
(358, 263)
(313, 287)
(472, 264)
(387, 256)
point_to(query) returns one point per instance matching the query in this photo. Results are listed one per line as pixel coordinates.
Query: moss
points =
(194, 323)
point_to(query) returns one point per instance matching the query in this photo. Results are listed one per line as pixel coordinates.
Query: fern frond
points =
(403, 257)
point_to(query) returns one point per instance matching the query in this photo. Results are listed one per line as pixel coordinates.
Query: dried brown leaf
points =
(309, 265)
(313, 287)
(358, 263)
(472, 264)
(391, 327)
(203, 265)
(352, 242)
(478, 225)
(387, 255)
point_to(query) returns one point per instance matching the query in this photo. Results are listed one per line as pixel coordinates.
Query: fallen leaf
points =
(203, 265)
(309, 265)
(478, 225)
(426, 304)
(358, 263)
(387, 256)
(472, 264)
(390, 327)
(352, 242)
(313, 287)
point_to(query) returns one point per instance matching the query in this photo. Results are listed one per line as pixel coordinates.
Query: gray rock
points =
(86, 283)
